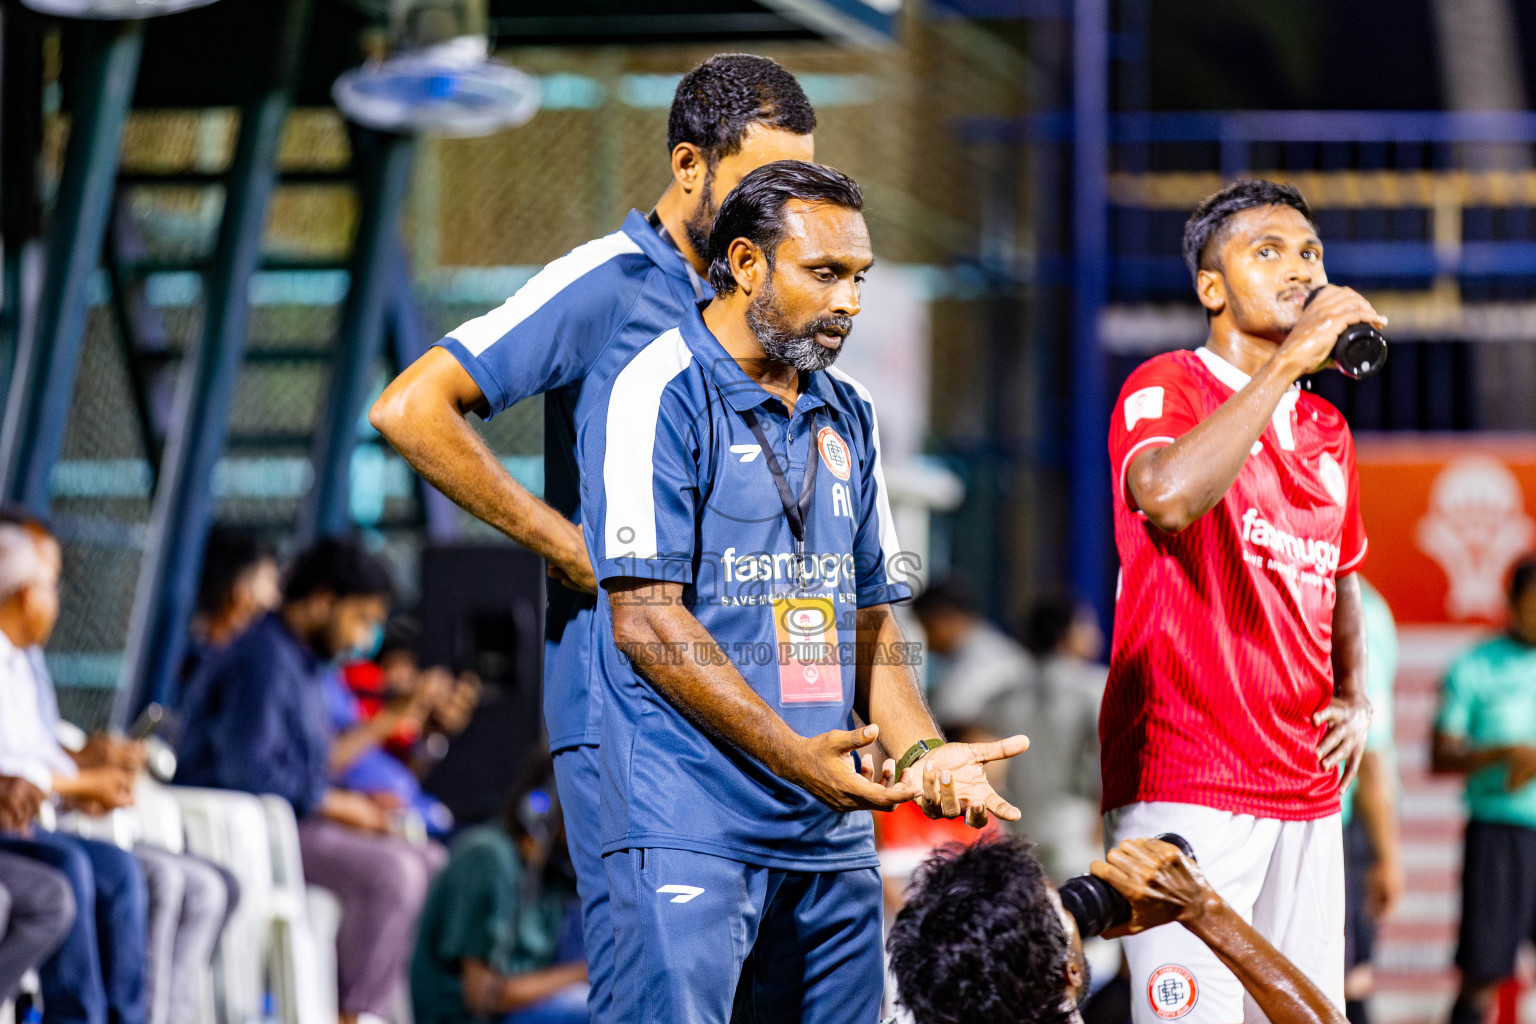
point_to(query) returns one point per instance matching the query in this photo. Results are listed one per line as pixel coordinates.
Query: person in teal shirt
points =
(1486, 730)
(487, 945)
(1373, 871)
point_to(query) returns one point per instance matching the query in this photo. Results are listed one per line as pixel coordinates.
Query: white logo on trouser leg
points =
(684, 892)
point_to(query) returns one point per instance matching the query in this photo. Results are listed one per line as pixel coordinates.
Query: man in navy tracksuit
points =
(563, 334)
(739, 525)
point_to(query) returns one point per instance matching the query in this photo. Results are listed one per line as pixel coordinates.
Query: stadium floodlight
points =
(440, 80)
(112, 10)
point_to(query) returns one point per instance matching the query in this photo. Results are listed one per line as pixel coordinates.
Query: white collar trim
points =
(1236, 379)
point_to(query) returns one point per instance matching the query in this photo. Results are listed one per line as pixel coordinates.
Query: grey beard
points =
(780, 344)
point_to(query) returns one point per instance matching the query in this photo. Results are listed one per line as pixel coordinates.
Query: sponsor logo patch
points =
(1146, 404)
(835, 453)
(1172, 991)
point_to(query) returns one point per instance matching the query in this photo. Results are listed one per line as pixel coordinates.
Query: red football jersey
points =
(1223, 632)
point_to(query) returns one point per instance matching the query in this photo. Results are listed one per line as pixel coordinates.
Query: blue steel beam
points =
(1089, 469)
(1243, 126)
(183, 509)
(43, 380)
(360, 337)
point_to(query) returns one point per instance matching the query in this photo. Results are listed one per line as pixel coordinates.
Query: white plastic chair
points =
(303, 958)
(230, 829)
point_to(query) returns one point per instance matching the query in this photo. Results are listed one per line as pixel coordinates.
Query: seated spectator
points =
(488, 942)
(255, 720)
(36, 907)
(1057, 706)
(98, 971)
(394, 677)
(391, 712)
(239, 584)
(186, 896)
(973, 661)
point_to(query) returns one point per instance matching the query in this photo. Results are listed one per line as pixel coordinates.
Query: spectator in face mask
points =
(256, 721)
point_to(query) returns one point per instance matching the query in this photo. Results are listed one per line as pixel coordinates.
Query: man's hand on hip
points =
(574, 569)
(1343, 743)
(952, 780)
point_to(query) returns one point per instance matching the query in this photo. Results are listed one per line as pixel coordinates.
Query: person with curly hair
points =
(984, 937)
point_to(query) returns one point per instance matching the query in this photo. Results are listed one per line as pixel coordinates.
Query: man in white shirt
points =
(186, 896)
(92, 977)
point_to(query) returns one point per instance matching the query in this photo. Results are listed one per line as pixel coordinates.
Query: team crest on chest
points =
(835, 453)
(1332, 476)
(1172, 991)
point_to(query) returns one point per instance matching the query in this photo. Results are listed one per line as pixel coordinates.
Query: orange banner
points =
(1447, 516)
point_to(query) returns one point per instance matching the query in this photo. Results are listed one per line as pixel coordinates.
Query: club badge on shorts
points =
(1172, 991)
(834, 452)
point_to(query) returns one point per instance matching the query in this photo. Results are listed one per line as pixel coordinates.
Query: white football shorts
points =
(1286, 878)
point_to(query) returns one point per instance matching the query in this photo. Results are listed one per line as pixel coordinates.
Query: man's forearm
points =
(673, 650)
(434, 436)
(1284, 993)
(1181, 482)
(363, 737)
(1376, 807)
(887, 691)
(519, 991)
(1453, 757)
(1349, 646)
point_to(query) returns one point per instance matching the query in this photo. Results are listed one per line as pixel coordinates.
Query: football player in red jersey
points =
(1236, 709)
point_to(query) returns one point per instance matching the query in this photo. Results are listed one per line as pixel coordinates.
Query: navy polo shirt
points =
(677, 487)
(255, 718)
(575, 323)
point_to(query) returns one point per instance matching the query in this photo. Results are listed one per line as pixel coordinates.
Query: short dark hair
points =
(950, 594)
(755, 210)
(19, 515)
(402, 635)
(229, 554)
(532, 798)
(719, 100)
(338, 566)
(1206, 223)
(981, 939)
(1522, 577)
(1047, 622)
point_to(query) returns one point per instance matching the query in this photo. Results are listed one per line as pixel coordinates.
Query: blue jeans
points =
(568, 1006)
(97, 975)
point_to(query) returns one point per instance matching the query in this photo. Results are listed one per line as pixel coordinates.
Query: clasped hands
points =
(947, 782)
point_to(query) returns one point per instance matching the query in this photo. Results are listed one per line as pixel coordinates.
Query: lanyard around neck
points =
(654, 219)
(794, 511)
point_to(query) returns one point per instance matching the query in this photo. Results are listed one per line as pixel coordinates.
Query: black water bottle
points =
(1098, 906)
(1361, 349)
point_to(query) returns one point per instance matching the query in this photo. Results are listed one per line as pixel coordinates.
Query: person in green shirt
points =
(1373, 866)
(1486, 730)
(486, 947)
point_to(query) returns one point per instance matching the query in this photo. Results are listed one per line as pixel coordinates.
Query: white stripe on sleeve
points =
(629, 459)
(888, 543)
(481, 333)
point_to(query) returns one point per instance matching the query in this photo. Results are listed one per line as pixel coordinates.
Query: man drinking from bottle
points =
(1235, 709)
